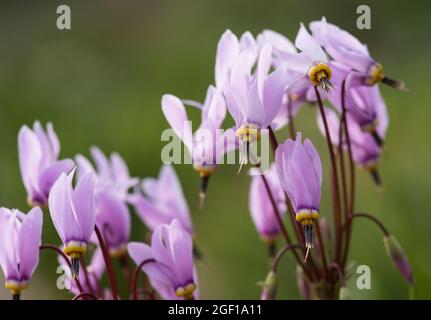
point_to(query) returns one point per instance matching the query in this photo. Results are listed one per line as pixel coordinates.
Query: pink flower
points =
(300, 171)
(162, 201)
(73, 213)
(172, 273)
(38, 152)
(19, 248)
(260, 206)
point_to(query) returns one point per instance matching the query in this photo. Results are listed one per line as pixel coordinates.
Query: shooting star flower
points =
(38, 152)
(300, 172)
(162, 200)
(172, 273)
(73, 213)
(347, 50)
(208, 144)
(19, 248)
(260, 206)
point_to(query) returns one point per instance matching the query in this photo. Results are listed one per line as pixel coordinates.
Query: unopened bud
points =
(269, 287)
(398, 258)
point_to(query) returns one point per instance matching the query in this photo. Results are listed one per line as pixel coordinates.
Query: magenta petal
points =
(176, 115)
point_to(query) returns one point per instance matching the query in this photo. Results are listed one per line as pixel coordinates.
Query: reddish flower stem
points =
(281, 253)
(374, 219)
(108, 262)
(348, 223)
(322, 250)
(85, 295)
(336, 187)
(65, 257)
(133, 284)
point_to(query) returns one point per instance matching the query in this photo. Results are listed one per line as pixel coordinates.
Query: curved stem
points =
(341, 278)
(322, 250)
(87, 277)
(108, 263)
(352, 178)
(372, 218)
(336, 188)
(133, 285)
(65, 258)
(281, 253)
(85, 295)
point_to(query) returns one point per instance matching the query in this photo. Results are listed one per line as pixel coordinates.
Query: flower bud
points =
(269, 287)
(398, 257)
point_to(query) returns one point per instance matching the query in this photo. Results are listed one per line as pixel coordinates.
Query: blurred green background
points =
(101, 84)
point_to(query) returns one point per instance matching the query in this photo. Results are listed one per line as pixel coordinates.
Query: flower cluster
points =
(262, 82)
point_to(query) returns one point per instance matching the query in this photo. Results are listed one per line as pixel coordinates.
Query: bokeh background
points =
(101, 84)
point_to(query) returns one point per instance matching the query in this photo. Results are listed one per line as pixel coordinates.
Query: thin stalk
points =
(348, 225)
(342, 164)
(291, 125)
(341, 278)
(280, 254)
(133, 284)
(65, 258)
(108, 262)
(374, 219)
(336, 193)
(86, 275)
(85, 295)
(322, 250)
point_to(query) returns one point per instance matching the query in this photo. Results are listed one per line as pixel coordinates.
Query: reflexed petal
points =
(227, 51)
(176, 115)
(30, 155)
(307, 44)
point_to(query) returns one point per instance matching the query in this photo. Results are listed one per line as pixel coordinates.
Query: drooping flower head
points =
(260, 205)
(348, 51)
(162, 200)
(366, 152)
(300, 172)
(208, 144)
(311, 64)
(19, 247)
(113, 219)
(229, 49)
(365, 105)
(38, 152)
(254, 99)
(73, 213)
(112, 182)
(172, 273)
(294, 98)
